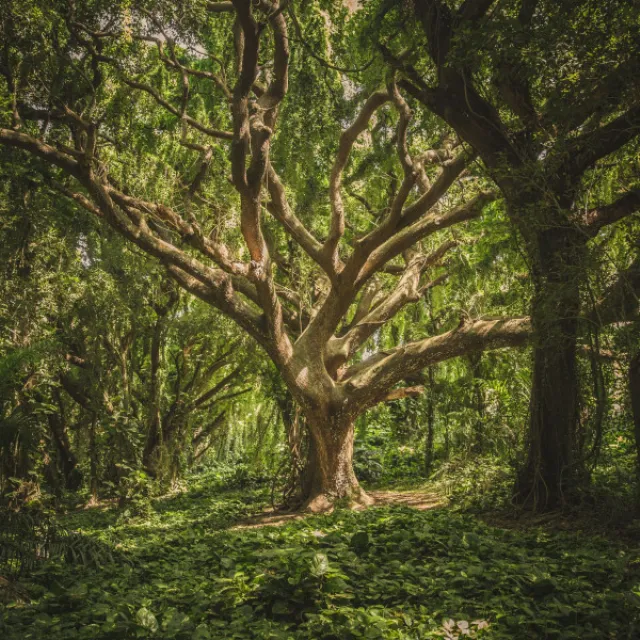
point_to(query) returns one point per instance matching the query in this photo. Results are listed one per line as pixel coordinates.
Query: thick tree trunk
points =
(330, 475)
(546, 477)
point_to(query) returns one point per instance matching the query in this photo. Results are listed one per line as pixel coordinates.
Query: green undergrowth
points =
(182, 570)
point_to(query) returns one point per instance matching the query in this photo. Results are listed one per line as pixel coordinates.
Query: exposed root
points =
(325, 503)
(420, 500)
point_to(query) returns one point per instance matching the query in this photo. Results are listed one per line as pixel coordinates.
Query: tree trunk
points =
(330, 464)
(475, 366)
(546, 477)
(297, 486)
(66, 457)
(600, 394)
(431, 414)
(634, 391)
(154, 434)
(93, 461)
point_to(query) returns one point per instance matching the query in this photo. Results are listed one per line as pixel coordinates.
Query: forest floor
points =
(416, 499)
(189, 567)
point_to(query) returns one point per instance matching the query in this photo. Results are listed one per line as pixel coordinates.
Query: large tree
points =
(171, 125)
(546, 93)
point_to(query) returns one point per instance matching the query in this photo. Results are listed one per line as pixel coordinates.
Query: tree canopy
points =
(365, 191)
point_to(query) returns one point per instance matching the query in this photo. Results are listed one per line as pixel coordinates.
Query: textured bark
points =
(93, 461)
(634, 392)
(331, 474)
(300, 462)
(154, 434)
(67, 459)
(546, 478)
(431, 411)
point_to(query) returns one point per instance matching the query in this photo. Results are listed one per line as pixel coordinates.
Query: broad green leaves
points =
(390, 574)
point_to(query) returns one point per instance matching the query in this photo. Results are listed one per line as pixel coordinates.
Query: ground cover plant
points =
(193, 568)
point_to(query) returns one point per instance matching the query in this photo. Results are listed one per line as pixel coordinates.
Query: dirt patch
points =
(270, 518)
(420, 500)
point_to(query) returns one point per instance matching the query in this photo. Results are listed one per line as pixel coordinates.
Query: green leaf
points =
(146, 619)
(202, 632)
(280, 608)
(319, 565)
(360, 541)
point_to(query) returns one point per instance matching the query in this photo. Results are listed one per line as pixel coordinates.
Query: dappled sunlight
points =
(421, 500)
(408, 567)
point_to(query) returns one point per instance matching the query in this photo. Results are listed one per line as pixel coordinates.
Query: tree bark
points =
(66, 457)
(431, 411)
(300, 463)
(331, 475)
(475, 365)
(546, 477)
(634, 392)
(93, 461)
(154, 435)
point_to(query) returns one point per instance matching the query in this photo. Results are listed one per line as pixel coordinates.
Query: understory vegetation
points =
(319, 319)
(191, 565)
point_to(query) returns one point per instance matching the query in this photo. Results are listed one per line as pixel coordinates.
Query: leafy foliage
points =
(383, 573)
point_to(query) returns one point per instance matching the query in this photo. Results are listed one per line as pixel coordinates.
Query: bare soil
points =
(420, 500)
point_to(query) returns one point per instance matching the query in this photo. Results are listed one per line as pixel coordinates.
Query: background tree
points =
(544, 92)
(82, 360)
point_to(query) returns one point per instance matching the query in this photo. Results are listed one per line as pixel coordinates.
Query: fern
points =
(27, 539)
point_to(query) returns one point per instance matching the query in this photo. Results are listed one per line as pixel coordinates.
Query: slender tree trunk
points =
(124, 375)
(600, 394)
(475, 361)
(67, 459)
(634, 391)
(154, 435)
(447, 441)
(431, 414)
(93, 460)
(546, 477)
(331, 474)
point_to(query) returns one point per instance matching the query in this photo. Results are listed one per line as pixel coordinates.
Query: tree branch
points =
(595, 219)
(347, 139)
(621, 300)
(590, 147)
(370, 380)
(424, 227)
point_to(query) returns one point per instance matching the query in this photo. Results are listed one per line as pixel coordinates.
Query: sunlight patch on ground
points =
(420, 500)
